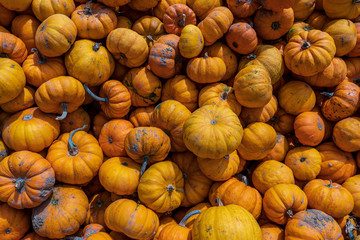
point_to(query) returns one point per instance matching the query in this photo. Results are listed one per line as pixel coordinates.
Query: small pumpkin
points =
(24, 100)
(297, 28)
(43, 9)
(282, 122)
(303, 9)
(98, 122)
(241, 38)
(111, 3)
(309, 128)
(139, 5)
(280, 150)
(12, 47)
(7, 16)
(140, 117)
(15, 222)
(17, 5)
(276, 6)
(356, 50)
(191, 41)
(272, 231)
(341, 9)
(12, 79)
(242, 8)
(353, 69)
(317, 19)
(75, 120)
(203, 7)
(345, 134)
(97, 206)
(351, 184)
(164, 221)
(160, 9)
(24, 27)
(150, 28)
(176, 17)
(262, 114)
(33, 236)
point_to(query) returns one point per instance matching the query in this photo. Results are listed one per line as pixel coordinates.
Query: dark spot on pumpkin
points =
(303, 159)
(8, 230)
(235, 44)
(125, 164)
(37, 222)
(110, 140)
(43, 27)
(213, 122)
(12, 66)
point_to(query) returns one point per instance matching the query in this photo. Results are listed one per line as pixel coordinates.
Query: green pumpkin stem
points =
(72, 147)
(251, 56)
(96, 46)
(19, 184)
(219, 202)
(150, 38)
(305, 45)
(87, 10)
(64, 109)
(206, 55)
(187, 216)
(97, 98)
(182, 21)
(42, 59)
(327, 94)
(330, 184)
(350, 228)
(242, 178)
(144, 164)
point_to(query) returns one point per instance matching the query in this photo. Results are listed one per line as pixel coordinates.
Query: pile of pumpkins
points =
(179, 119)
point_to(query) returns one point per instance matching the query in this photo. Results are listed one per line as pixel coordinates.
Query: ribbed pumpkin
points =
(272, 231)
(176, 17)
(14, 222)
(202, 7)
(140, 117)
(351, 184)
(309, 128)
(317, 19)
(303, 9)
(242, 8)
(139, 5)
(280, 150)
(97, 206)
(163, 5)
(345, 134)
(262, 114)
(191, 41)
(356, 50)
(24, 27)
(43, 9)
(7, 16)
(241, 38)
(23, 101)
(12, 47)
(297, 28)
(75, 120)
(341, 9)
(150, 28)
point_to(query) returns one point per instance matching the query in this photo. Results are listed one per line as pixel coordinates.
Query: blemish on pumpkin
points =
(8, 230)
(37, 222)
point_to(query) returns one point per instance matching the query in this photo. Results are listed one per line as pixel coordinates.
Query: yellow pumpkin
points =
(191, 41)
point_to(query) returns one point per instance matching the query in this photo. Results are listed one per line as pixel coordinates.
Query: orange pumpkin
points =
(309, 128)
(280, 150)
(97, 206)
(75, 120)
(345, 134)
(176, 17)
(242, 8)
(12, 47)
(351, 184)
(6, 16)
(317, 19)
(341, 9)
(356, 50)
(43, 9)
(202, 7)
(303, 9)
(241, 38)
(33, 236)
(272, 231)
(14, 222)
(140, 117)
(262, 114)
(282, 122)
(23, 101)
(150, 28)
(24, 27)
(98, 122)
(297, 28)
(163, 5)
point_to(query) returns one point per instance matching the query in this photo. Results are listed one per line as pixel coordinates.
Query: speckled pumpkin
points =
(345, 134)
(309, 128)
(191, 41)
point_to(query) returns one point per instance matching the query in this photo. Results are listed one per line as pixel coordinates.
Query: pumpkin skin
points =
(98, 122)
(329, 197)
(211, 117)
(242, 8)
(351, 184)
(309, 128)
(161, 187)
(139, 5)
(12, 47)
(94, 20)
(26, 179)
(301, 47)
(39, 130)
(18, 5)
(39, 69)
(202, 7)
(55, 35)
(181, 89)
(234, 191)
(280, 150)
(272, 25)
(111, 3)
(356, 50)
(296, 97)
(353, 69)
(345, 134)
(297, 28)
(4, 151)
(164, 58)
(78, 163)
(262, 114)
(144, 222)
(127, 47)
(24, 100)
(177, 231)
(170, 116)
(268, 57)
(303, 9)
(163, 5)
(120, 175)
(97, 206)
(6, 16)
(140, 117)
(191, 41)
(112, 137)
(272, 232)
(82, 56)
(270, 173)
(150, 28)
(241, 38)
(64, 200)
(336, 165)
(282, 201)
(24, 27)
(277, 6)
(144, 87)
(33, 236)
(164, 221)
(176, 17)
(216, 24)
(75, 120)
(124, 22)
(248, 228)
(341, 9)
(43, 9)
(314, 224)
(343, 32)
(317, 19)
(14, 222)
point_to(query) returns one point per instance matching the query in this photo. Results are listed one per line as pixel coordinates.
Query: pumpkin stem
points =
(87, 10)
(99, 203)
(72, 147)
(327, 94)
(97, 98)
(219, 202)
(64, 113)
(224, 95)
(170, 188)
(275, 25)
(144, 164)
(330, 184)
(187, 216)
(305, 45)
(206, 55)
(182, 21)
(242, 178)
(27, 117)
(251, 56)
(350, 227)
(19, 184)
(42, 59)
(96, 46)
(150, 38)
(290, 213)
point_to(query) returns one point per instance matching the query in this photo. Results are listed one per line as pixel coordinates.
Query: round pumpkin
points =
(345, 134)
(280, 150)
(12, 80)
(303, 9)
(261, 114)
(242, 8)
(75, 120)
(191, 41)
(203, 7)
(24, 100)
(160, 9)
(150, 28)
(341, 9)
(176, 17)
(317, 19)
(7, 17)
(272, 231)
(17, 5)
(12, 47)
(351, 184)
(43, 9)
(309, 128)
(140, 117)
(24, 27)
(356, 50)
(241, 38)
(14, 222)
(97, 206)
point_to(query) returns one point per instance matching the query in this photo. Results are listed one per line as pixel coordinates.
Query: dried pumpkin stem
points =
(242, 178)
(72, 147)
(97, 98)
(187, 216)
(219, 202)
(64, 113)
(350, 228)
(251, 56)
(327, 94)
(143, 166)
(19, 184)
(170, 188)
(290, 213)
(42, 59)
(87, 10)
(305, 45)
(96, 46)
(182, 21)
(150, 38)
(330, 184)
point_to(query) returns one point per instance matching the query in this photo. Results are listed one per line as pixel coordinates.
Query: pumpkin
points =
(191, 41)
(112, 137)
(140, 5)
(98, 122)
(120, 175)
(272, 25)
(164, 58)
(43, 9)
(93, 187)
(17, 5)
(164, 221)
(353, 69)
(309, 128)
(297, 28)
(176, 17)
(268, 57)
(24, 100)
(348, 226)
(196, 184)
(181, 89)
(39, 130)
(282, 201)
(97, 206)
(39, 69)
(65, 200)
(261, 114)
(114, 98)
(343, 32)
(270, 173)
(112, 3)
(55, 35)
(6, 16)
(118, 236)
(317, 19)
(206, 224)
(345, 134)
(272, 231)
(160, 9)
(91, 229)
(336, 165)
(127, 47)
(170, 116)
(124, 22)
(161, 187)
(12, 47)
(298, 53)
(351, 184)
(199, 131)
(331, 76)
(303, 9)
(203, 7)
(150, 28)
(280, 150)
(242, 8)
(33, 236)
(26, 179)
(206, 69)
(14, 222)
(235, 191)
(68, 96)
(100, 236)
(356, 50)
(200, 207)
(241, 38)
(4, 151)
(144, 222)
(329, 197)
(341, 9)
(76, 157)
(24, 27)
(75, 120)
(296, 97)
(94, 20)
(147, 145)
(140, 117)
(313, 224)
